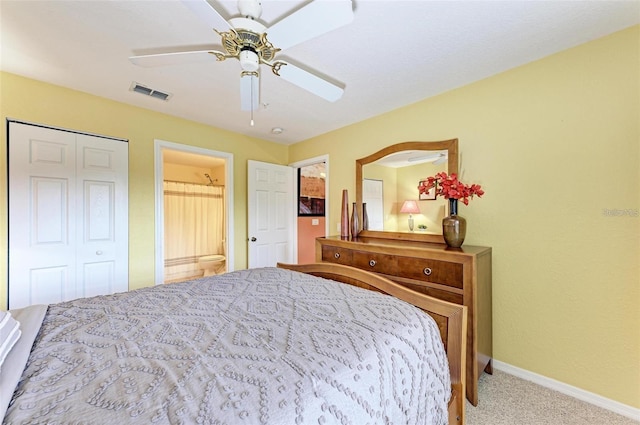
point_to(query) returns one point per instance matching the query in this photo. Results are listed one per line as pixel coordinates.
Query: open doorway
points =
(194, 217)
(312, 205)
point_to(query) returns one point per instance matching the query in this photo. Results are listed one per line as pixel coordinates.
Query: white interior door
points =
(270, 207)
(373, 197)
(68, 215)
(102, 242)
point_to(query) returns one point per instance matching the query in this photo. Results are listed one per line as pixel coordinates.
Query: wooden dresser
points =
(461, 276)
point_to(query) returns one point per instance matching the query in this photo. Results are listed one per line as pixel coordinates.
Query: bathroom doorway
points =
(194, 219)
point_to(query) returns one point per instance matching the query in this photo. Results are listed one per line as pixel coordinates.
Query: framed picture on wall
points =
(430, 195)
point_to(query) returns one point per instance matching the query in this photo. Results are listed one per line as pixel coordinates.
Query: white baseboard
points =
(586, 396)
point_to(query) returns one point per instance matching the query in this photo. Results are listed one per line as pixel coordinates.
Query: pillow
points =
(9, 334)
(30, 319)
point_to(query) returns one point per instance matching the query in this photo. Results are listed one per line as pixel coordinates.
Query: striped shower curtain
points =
(194, 226)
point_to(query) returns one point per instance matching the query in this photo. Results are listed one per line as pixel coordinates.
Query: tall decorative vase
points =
(454, 227)
(355, 222)
(344, 218)
(365, 217)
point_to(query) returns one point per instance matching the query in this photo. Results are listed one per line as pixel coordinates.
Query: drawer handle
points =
(427, 271)
(372, 263)
(336, 255)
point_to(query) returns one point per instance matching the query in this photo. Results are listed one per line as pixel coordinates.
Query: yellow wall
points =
(555, 144)
(37, 102)
(191, 174)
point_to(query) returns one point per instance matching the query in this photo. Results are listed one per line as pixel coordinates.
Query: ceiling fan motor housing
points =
(248, 35)
(250, 8)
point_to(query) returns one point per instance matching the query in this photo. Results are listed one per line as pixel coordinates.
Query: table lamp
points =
(411, 207)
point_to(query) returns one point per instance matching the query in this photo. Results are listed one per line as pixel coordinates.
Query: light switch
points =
(315, 221)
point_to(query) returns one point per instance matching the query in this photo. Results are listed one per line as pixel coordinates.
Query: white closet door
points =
(102, 211)
(68, 215)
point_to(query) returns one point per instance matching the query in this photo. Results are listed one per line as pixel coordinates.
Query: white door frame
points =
(159, 145)
(299, 164)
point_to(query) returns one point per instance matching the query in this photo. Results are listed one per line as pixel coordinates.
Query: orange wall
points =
(307, 234)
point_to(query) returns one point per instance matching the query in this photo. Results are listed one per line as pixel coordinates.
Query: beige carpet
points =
(507, 400)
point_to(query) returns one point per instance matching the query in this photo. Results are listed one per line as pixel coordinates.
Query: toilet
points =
(212, 264)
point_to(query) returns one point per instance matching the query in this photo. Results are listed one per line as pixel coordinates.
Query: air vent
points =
(139, 88)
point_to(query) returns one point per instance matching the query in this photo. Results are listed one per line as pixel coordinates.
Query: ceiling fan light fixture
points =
(249, 91)
(249, 60)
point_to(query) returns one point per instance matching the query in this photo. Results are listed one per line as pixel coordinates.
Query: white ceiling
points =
(394, 53)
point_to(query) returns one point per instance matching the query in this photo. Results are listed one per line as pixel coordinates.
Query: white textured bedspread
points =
(260, 346)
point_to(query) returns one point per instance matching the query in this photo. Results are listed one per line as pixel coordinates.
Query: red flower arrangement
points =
(449, 187)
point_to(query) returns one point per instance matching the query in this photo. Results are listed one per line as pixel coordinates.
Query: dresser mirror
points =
(389, 177)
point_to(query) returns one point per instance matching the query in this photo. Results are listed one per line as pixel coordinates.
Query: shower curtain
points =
(194, 226)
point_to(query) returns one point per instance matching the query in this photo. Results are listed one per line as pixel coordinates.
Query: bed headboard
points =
(451, 318)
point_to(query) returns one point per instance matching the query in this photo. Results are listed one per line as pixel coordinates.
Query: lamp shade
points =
(410, 207)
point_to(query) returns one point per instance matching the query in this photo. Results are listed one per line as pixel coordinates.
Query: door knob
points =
(253, 239)
(98, 252)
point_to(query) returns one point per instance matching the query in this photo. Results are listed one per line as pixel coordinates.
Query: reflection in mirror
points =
(393, 180)
(388, 178)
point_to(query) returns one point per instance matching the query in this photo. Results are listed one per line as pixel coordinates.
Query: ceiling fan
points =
(253, 44)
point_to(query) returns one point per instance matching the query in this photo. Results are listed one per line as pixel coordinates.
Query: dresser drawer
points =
(427, 270)
(334, 254)
(375, 262)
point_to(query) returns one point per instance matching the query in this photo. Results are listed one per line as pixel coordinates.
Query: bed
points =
(285, 345)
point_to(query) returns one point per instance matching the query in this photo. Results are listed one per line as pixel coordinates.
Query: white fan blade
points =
(317, 18)
(249, 91)
(310, 82)
(163, 59)
(441, 159)
(207, 13)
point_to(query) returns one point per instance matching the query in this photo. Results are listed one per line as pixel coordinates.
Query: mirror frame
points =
(451, 146)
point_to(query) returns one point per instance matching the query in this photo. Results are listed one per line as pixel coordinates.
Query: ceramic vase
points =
(454, 227)
(365, 217)
(344, 218)
(355, 222)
